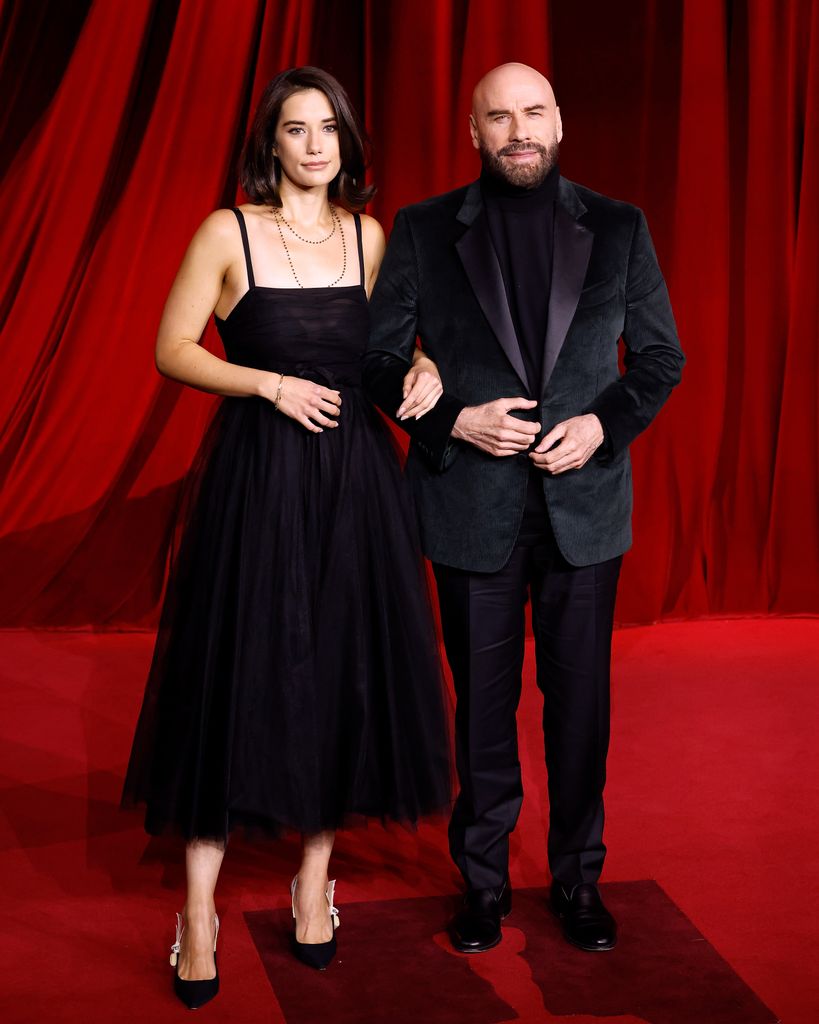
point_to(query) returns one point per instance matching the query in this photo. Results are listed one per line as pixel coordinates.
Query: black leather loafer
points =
(586, 922)
(477, 925)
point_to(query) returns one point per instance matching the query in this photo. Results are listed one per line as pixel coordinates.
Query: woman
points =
(295, 680)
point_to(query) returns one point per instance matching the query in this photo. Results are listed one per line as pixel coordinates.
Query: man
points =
(519, 287)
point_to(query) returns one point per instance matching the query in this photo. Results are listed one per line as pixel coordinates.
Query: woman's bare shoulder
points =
(368, 223)
(372, 236)
(217, 237)
(219, 225)
(370, 227)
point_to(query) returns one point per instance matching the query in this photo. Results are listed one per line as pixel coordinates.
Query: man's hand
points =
(491, 428)
(578, 437)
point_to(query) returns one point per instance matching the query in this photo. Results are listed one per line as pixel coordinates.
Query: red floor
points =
(713, 792)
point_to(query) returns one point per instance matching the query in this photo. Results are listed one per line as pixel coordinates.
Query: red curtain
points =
(120, 130)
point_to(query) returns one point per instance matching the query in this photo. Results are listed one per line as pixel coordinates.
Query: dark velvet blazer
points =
(441, 280)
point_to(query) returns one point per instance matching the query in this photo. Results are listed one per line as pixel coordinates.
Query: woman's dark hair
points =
(259, 169)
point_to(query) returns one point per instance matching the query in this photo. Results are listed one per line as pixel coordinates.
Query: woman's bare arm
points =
(194, 295)
(373, 244)
(192, 298)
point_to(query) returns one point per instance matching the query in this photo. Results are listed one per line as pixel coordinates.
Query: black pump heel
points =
(193, 993)
(315, 954)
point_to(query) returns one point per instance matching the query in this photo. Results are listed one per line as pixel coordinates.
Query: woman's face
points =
(307, 139)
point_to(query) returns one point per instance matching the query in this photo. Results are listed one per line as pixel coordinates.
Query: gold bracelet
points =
(279, 392)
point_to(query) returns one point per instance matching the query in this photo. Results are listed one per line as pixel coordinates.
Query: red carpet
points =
(662, 970)
(712, 831)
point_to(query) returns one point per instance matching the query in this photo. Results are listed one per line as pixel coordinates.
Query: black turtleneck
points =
(521, 224)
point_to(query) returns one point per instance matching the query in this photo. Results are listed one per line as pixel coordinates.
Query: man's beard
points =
(528, 175)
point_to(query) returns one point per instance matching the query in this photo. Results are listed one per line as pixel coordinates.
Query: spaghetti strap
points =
(357, 218)
(251, 283)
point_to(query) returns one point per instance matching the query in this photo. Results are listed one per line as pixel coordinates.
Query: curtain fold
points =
(423, 60)
(121, 133)
(675, 461)
(791, 563)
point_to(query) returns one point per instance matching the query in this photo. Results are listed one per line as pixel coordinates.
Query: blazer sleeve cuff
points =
(432, 434)
(607, 408)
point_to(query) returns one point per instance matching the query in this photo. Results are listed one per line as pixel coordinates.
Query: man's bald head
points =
(515, 124)
(509, 79)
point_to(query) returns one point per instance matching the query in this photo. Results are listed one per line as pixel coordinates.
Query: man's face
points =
(515, 125)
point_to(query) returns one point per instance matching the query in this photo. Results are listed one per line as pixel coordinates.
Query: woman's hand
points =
(304, 401)
(422, 388)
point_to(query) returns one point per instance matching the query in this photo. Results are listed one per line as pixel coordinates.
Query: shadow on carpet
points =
(395, 964)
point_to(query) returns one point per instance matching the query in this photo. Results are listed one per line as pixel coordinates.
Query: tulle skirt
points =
(296, 679)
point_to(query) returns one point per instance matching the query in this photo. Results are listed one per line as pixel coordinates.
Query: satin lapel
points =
(572, 250)
(483, 270)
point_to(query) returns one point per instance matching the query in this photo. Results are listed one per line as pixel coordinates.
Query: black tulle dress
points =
(295, 681)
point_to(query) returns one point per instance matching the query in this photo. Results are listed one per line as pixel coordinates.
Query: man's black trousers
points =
(483, 621)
